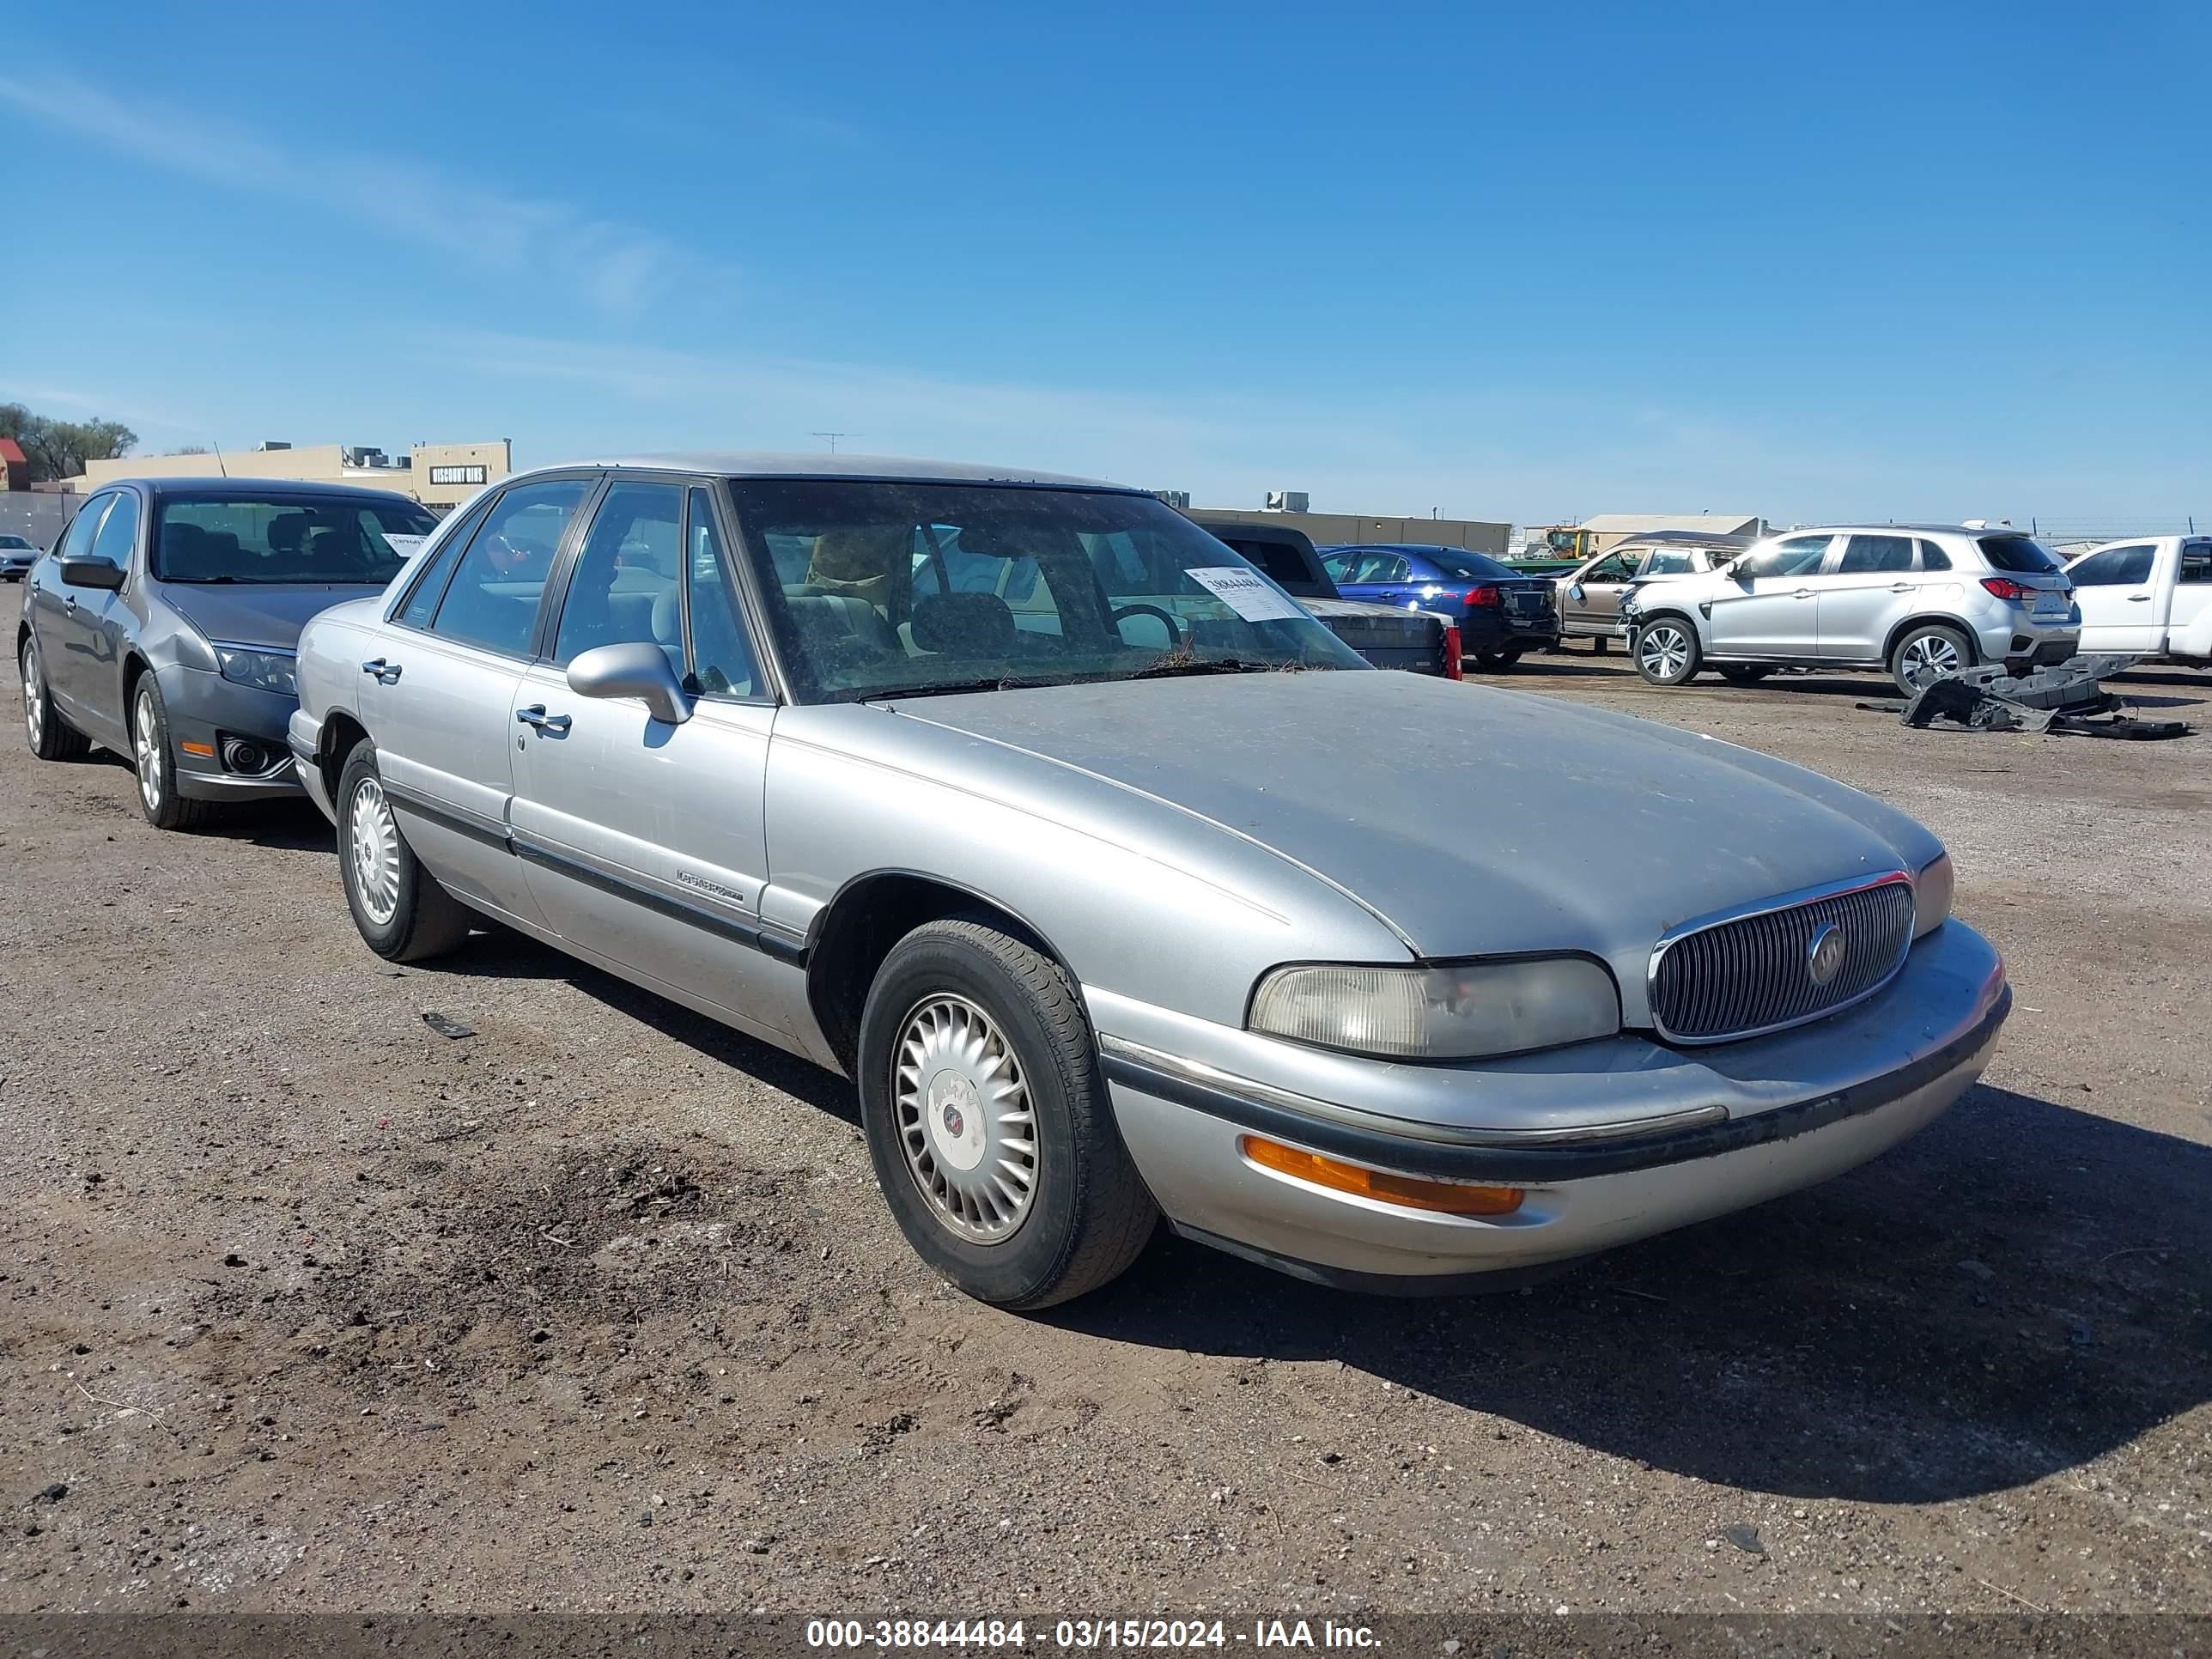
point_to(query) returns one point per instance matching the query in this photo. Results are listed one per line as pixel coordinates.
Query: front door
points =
(1590, 601)
(644, 841)
(1769, 606)
(2119, 599)
(1871, 584)
(439, 702)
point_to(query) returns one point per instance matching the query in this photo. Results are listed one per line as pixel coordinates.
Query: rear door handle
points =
(387, 673)
(536, 715)
(1900, 587)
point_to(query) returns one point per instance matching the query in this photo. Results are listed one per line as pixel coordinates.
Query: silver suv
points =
(1918, 600)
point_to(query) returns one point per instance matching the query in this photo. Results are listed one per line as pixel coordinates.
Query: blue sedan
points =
(1501, 613)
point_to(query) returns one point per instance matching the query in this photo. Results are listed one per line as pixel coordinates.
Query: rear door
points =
(1769, 606)
(1870, 585)
(1379, 578)
(2115, 590)
(439, 702)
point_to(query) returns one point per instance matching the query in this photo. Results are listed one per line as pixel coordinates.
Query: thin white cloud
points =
(619, 268)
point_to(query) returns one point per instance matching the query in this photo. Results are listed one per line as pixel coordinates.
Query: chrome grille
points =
(1736, 977)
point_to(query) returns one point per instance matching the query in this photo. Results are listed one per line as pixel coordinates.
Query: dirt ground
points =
(305, 1307)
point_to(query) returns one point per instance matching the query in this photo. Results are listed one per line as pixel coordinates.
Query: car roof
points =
(260, 489)
(1425, 548)
(755, 464)
(1921, 529)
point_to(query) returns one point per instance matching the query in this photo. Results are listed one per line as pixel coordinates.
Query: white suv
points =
(1918, 600)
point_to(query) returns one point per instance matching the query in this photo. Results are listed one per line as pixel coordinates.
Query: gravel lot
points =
(303, 1306)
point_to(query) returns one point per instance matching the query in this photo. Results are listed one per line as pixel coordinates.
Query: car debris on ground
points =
(2070, 699)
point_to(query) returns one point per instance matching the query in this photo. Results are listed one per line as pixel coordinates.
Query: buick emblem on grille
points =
(1824, 957)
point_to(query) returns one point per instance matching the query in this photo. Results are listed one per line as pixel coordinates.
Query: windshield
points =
(883, 588)
(290, 538)
(2021, 553)
(12, 543)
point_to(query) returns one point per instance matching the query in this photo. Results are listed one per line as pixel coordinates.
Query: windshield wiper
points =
(1169, 667)
(949, 688)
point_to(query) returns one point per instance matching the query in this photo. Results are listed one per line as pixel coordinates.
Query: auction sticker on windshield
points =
(1246, 593)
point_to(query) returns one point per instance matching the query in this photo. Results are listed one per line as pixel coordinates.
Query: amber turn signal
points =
(206, 749)
(1449, 1197)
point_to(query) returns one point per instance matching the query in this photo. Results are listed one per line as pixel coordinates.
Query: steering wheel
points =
(1175, 632)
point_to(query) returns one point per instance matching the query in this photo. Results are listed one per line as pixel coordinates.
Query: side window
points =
(1800, 555)
(722, 663)
(1667, 564)
(2196, 562)
(2116, 567)
(120, 534)
(1613, 567)
(625, 585)
(492, 601)
(1933, 557)
(1387, 567)
(83, 527)
(1883, 554)
(422, 601)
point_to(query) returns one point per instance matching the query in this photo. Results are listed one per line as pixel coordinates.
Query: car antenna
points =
(220, 466)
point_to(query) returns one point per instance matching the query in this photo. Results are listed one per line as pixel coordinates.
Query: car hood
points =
(1470, 820)
(258, 613)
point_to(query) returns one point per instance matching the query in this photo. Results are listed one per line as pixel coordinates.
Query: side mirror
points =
(638, 668)
(93, 572)
(1575, 592)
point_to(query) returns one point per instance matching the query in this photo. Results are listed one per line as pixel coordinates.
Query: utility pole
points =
(832, 438)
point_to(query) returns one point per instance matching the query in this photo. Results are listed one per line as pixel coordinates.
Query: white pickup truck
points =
(2151, 597)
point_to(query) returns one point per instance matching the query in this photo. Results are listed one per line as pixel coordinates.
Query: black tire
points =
(1087, 1215)
(418, 919)
(1921, 652)
(1497, 662)
(154, 759)
(1744, 673)
(50, 737)
(1598, 645)
(1666, 652)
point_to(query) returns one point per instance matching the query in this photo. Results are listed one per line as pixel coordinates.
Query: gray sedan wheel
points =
(154, 758)
(988, 1123)
(51, 737)
(1667, 651)
(401, 912)
(1926, 654)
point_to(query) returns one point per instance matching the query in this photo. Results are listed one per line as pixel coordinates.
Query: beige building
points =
(1609, 530)
(1325, 529)
(439, 476)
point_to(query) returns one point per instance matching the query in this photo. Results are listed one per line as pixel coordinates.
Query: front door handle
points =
(1802, 593)
(1900, 587)
(70, 605)
(387, 673)
(2139, 599)
(536, 715)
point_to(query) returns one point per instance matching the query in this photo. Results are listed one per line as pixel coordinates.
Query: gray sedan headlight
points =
(264, 671)
(1455, 1011)
(1931, 895)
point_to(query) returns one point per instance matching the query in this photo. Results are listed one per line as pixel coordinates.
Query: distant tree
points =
(59, 449)
(193, 449)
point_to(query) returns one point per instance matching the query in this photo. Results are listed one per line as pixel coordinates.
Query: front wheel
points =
(52, 738)
(1666, 652)
(1925, 654)
(401, 911)
(153, 757)
(988, 1123)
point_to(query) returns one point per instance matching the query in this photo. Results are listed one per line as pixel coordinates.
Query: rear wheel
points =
(1925, 654)
(1496, 662)
(988, 1123)
(401, 911)
(51, 737)
(153, 757)
(1666, 652)
(1744, 673)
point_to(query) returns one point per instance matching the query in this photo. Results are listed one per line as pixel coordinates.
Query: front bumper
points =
(203, 710)
(1612, 1141)
(304, 734)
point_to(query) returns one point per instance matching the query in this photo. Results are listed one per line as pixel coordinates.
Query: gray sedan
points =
(1091, 859)
(17, 555)
(162, 626)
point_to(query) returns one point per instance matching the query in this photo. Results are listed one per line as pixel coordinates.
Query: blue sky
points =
(1521, 262)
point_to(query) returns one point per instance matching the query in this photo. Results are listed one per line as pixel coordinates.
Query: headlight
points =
(1931, 895)
(264, 671)
(1453, 1011)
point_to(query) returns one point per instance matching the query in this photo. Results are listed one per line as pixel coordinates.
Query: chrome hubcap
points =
(1929, 658)
(965, 1122)
(35, 695)
(146, 743)
(1664, 651)
(372, 844)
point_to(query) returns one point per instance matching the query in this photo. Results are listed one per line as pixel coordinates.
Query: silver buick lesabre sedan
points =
(1119, 886)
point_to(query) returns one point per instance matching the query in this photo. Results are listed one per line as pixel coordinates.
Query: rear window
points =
(2021, 553)
(291, 538)
(1454, 563)
(1286, 566)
